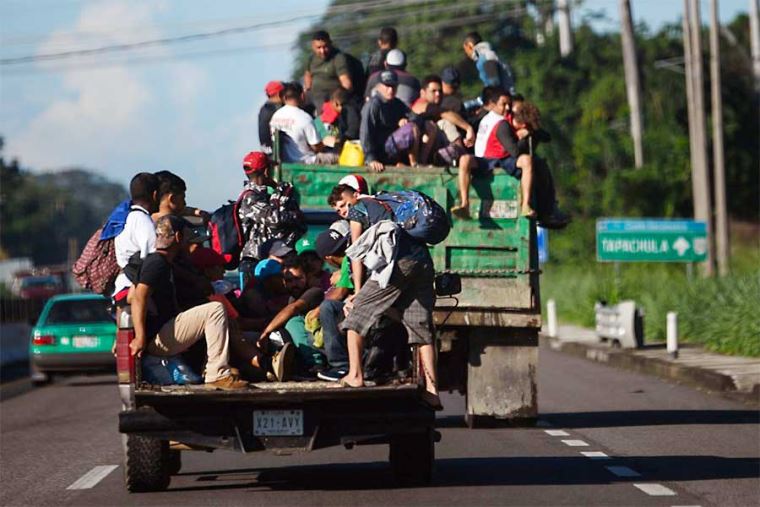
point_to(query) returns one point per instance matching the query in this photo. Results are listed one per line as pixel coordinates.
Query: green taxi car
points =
(74, 334)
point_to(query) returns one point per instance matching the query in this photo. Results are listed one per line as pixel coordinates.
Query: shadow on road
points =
(651, 418)
(496, 471)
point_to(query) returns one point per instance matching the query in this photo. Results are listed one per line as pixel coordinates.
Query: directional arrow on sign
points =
(681, 245)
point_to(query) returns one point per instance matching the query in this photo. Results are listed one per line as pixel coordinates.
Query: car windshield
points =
(73, 312)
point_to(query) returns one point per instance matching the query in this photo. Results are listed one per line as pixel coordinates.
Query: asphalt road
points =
(662, 444)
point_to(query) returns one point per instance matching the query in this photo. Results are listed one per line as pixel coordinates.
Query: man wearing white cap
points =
(408, 86)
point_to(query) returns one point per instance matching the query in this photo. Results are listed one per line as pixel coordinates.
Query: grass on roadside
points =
(722, 314)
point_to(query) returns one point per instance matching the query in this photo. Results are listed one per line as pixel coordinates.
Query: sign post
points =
(650, 240)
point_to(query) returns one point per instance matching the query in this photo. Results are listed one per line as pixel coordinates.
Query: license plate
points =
(277, 422)
(82, 342)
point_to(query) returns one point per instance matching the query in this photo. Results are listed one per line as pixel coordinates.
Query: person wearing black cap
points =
(388, 133)
(452, 99)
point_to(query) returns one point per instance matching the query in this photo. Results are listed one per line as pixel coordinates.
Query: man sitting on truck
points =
(163, 330)
(388, 133)
(301, 142)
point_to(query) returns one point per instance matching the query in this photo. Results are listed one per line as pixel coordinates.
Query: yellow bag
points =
(352, 154)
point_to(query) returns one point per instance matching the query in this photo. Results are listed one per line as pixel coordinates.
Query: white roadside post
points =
(551, 317)
(672, 334)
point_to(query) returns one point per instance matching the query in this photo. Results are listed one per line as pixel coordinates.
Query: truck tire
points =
(412, 456)
(174, 461)
(146, 464)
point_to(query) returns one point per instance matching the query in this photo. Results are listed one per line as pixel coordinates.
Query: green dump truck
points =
(488, 334)
(487, 350)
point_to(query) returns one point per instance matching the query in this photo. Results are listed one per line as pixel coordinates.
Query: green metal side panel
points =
(492, 251)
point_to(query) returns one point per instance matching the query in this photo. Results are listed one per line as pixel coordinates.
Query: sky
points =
(188, 107)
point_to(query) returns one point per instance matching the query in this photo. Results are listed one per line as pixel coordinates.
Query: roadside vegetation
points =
(719, 313)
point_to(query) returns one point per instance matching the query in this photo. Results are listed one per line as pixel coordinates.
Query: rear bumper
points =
(92, 361)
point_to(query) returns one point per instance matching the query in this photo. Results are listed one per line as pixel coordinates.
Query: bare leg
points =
(466, 164)
(427, 358)
(525, 163)
(355, 377)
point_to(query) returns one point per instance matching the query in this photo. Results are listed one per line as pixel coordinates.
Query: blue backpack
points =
(418, 214)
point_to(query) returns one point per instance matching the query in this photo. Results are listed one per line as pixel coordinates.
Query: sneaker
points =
(282, 362)
(332, 375)
(228, 383)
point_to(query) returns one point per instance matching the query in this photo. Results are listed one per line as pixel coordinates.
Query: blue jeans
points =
(330, 316)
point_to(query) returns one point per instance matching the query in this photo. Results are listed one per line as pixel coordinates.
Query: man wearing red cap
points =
(273, 103)
(256, 194)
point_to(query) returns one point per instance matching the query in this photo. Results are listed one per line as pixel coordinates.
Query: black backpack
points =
(227, 236)
(356, 72)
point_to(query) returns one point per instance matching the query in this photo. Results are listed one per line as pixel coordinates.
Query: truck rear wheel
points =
(146, 464)
(412, 456)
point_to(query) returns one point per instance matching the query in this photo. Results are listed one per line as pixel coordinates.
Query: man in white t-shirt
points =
(301, 142)
(139, 233)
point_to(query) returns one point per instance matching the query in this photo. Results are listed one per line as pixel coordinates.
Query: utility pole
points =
(632, 84)
(722, 247)
(565, 28)
(754, 35)
(698, 140)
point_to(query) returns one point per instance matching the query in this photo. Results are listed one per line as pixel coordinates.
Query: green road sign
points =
(650, 240)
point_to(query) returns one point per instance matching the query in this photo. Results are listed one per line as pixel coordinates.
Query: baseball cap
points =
(341, 226)
(255, 162)
(203, 258)
(276, 247)
(389, 78)
(166, 227)
(329, 242)
(273, 88)
(267, 268)
(304, 245)
(396, 58)
(451, 76)
(355, 181)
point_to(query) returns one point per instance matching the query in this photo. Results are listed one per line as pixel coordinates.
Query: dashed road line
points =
(653, 489)
(94, 476)
(557, 433)
(623, 471)
(595, 454)
(575, 443)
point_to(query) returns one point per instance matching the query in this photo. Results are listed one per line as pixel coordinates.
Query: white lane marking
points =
(652, 489)
(94, 476)
(557, 433)
(595, 454)
(575, 443)
(623, 471)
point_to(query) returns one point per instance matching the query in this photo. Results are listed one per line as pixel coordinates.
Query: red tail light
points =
(125, 361)
(45, 339)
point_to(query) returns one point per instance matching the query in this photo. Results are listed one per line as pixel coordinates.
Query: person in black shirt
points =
(161, 329)
(387, 40)
(273, 103)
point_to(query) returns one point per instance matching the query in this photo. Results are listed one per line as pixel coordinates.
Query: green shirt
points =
(345, 281)
(324, 75)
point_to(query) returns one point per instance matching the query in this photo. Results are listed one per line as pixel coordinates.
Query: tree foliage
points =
(582, 98)
(39, 213)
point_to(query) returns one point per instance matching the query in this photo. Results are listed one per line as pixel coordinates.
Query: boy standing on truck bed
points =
(164, 330)
(409, 289)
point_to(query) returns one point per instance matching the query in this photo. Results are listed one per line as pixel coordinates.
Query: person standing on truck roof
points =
(139, 234)
(301, 142)
(386, 41)
(409, 290)
(491, 70)
(388, 133)
(408, 85)
(255, 194)
(163, 330)
(326, 70)
(171, 197)
(272, 89)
